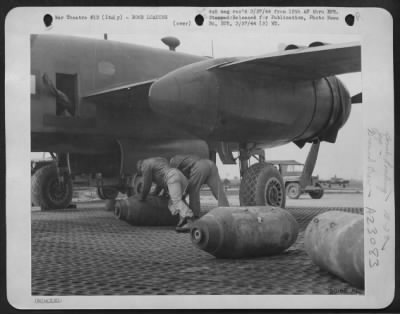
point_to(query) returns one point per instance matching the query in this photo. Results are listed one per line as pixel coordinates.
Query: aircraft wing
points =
(302, 63)
(121, 95)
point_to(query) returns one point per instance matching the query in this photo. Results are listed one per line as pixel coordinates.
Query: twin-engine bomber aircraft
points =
(99, 106)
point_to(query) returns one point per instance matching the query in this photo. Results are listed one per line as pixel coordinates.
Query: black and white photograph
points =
(200, 158)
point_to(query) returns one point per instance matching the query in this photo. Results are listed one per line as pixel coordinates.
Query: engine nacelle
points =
(229, 106)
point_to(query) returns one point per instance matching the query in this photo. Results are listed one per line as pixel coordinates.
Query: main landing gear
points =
(51, 185)
(261, 183)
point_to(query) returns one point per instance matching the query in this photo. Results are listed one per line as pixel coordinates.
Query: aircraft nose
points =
(164, 95)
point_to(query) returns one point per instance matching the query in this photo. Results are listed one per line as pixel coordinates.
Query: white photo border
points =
(375, 29)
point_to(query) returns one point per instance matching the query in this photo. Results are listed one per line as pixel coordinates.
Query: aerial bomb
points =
(151, 212)
(335, 242)
(234, 232)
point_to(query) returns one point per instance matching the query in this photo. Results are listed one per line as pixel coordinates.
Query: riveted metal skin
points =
(151, 212)
(237, 232)
(335, 242)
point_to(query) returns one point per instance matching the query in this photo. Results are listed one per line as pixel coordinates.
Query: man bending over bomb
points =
(200, 171)
(157, 170)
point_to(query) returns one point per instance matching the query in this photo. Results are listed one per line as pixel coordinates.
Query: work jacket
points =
(184, 163)
(154, 170)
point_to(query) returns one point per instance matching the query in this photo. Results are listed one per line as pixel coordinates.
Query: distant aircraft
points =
(99, 106)
(336, 181)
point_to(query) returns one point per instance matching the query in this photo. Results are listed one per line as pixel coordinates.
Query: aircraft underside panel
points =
(110, 157)
(132, 151)
(107, 164)
(60, 142)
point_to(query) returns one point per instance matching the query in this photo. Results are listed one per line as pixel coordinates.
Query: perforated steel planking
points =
(89, 252)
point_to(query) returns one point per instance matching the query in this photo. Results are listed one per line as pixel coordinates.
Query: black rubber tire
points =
(107, 193)
(137, 185)
(262, 184)
(317, 194)
(47, 192)
(293, 190)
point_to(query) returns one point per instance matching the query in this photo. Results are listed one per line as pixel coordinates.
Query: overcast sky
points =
(343, 159)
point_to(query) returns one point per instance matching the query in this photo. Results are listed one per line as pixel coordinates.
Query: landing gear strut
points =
(106, 189)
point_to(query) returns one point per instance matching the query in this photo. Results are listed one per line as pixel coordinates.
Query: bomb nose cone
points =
(197, 235)
(164, 95)
(206, 234)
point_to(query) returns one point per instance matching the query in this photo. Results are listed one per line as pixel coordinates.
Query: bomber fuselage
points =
(80, 67)
(188, 105)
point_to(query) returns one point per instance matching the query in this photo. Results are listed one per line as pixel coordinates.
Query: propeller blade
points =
(356, 99)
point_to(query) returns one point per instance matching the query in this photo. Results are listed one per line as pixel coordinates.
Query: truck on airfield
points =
(291, 171)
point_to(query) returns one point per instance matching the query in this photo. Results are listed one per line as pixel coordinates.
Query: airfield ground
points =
(86, 251)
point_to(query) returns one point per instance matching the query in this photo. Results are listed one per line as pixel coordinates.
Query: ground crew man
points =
(158, 170)
(200, 171)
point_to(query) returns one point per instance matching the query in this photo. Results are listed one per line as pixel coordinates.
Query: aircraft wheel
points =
(107, 193)
(317, 194)
(137, 185)
(293, 190)
(262, 184)
(47, 192)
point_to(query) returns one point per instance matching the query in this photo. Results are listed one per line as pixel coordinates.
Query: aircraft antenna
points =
(212, 48)
(105, 36)
(171, 42)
